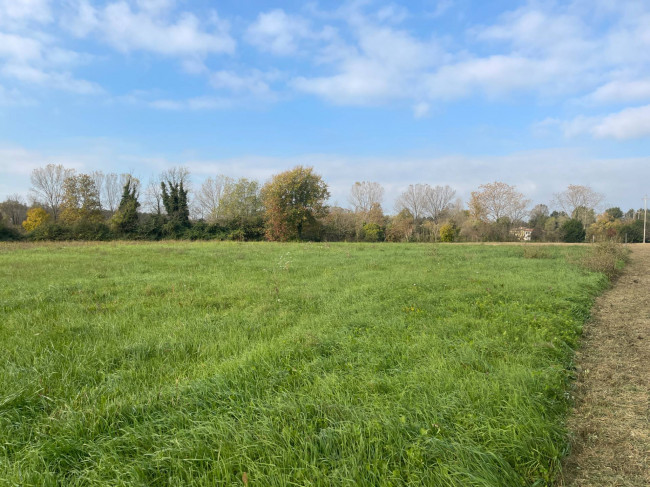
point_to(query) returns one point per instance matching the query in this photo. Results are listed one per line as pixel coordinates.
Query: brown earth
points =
(611, 421)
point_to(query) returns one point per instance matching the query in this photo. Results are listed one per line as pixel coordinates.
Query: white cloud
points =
(620, 91)
(194, 104)
(279, 33)
(255, 83)
(421, 110)
(19, 11)
(12, 96)
(33, 61)
(442, 7)
(152, 28)
(630, 123)
(127, 31)
(385, 64)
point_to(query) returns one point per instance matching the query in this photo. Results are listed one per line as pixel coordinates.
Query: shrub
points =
(89, 230)
(606, 257)
(8, 233)
(573, 231)
(372, 233)
(50, 231)
(449, 232)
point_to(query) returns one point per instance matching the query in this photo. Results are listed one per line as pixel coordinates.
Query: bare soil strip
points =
(611, 422)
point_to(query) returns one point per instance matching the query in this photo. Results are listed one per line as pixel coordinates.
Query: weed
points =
(607, 257)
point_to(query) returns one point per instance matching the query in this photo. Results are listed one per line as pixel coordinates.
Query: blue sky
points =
(538, 94)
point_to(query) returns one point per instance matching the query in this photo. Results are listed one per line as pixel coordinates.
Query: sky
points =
(538, 94)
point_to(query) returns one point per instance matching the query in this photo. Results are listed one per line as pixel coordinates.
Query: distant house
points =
(523, 234)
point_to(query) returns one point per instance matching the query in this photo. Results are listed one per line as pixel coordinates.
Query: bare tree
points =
(364, 194)
(153, 196)
(112, 191)
(99, 179)
(14, 209)
(577, 196)
(497, 200)
(437, 200)
(176, 175)
(414, 200)
(47, 186)
(209, 196)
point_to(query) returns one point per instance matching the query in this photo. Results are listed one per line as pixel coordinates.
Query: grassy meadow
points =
(286, 365)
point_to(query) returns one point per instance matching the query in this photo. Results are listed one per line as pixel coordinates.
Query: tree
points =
(340, 224)
(587, 216)
(47, 186)
(13, 209)
(365, 194)
(576, 196)
(174, 198)
(80, 200)
(437, 200)
(240, 201)
(293, 199)
(113, 189)
(449, 232)
(209, 197)
(495, 201)
(401, 227)
(538, 215)
(153, 196)
(616, 213)
(125, 219)
(573, 231)
(35, 218)
(414, 199)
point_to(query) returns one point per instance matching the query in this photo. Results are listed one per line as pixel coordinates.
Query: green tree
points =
(615, 213)
(240, 201)
(292, 200)
(573, 231)
(174, 198)
(125, 219)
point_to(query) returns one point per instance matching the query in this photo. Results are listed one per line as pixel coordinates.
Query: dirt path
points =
(611, 422)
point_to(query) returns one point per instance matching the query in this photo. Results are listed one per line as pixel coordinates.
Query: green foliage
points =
(449, 232)
(8, 233)
(573, 231)
(174, 198)
(372, 233)
(125, 219)
(81, 230)
(240, 202)
(616, 213)
(631, 232)
(293, 200)
(326, 364)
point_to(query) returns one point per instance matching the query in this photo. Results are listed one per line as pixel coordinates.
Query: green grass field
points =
(298, 364)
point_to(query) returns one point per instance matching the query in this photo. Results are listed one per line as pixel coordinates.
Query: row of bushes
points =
(150, 227)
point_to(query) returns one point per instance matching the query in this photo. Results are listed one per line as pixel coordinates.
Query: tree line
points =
(66, 205)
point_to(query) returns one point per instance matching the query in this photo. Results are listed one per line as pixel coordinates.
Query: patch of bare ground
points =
(611, 421)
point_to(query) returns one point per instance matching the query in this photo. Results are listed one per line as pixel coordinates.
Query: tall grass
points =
(302, 364)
